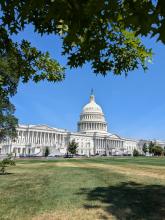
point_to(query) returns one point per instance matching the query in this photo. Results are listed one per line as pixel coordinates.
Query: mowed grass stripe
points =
(79, 189)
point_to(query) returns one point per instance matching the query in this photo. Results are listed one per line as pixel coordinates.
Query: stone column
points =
(32, 136)
(35, 137)
(43, 138)
(48, 138)
(40, 138)
(21, 136)
(28, 135)
(55, 139)
(60, 139)
(51, 138)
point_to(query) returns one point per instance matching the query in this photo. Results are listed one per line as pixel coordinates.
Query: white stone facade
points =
(92, 137)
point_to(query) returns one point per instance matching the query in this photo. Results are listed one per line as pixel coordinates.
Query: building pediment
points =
(114, 136)
(42, 127)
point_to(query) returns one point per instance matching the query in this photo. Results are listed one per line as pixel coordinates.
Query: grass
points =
(95, 188)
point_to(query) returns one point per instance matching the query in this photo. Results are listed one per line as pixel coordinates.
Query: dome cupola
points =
(92, 118)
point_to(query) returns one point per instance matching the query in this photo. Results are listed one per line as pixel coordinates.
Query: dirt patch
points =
(132, 170)
(78, 214)
(157, 172)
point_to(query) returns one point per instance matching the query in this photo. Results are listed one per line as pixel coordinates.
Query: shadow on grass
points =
(4, 174)
(128, 200)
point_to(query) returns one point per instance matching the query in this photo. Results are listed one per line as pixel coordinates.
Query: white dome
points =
(92, 106)
(92, 118)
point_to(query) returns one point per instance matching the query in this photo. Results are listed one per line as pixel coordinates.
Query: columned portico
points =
(92, 137)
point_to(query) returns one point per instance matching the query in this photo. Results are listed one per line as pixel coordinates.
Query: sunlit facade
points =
(92, 137)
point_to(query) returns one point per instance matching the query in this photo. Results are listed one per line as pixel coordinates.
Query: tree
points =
(150, 147)
(135, 153)
(145, 148)
(157, 151)
(20, 63)
(8, 122)
(47, 152)
(5, 163)
(91, 31)
(103, 33)
(72, 148)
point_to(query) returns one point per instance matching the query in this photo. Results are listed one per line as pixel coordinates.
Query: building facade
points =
(92, 137)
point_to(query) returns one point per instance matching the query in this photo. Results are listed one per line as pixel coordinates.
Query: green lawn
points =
(95, 188)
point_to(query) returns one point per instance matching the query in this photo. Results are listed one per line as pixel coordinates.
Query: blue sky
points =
(134, 106)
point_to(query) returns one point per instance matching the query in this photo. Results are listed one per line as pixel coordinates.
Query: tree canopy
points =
(72, 147)
(20, 62)
(145, 148)
(100, 32)
(5, 163)
(103, 33)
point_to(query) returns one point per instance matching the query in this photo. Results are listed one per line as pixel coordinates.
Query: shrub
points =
(47, 152)
(135, 153)
(5, 163)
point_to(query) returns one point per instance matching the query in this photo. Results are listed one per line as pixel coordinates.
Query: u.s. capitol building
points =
(92, 137)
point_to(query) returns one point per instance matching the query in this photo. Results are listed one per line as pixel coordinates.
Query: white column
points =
(21, 136)
(28, 135)
(41, 137)
(34, 137)
(37, 137)
(48, 138)
(51, 138)
(28, 140)
(55, 138)
(60, 139)
(32, 134)
(44, 136)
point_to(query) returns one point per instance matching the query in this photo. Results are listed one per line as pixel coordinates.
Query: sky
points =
(134, 106)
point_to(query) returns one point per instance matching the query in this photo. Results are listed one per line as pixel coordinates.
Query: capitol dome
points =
(92, 106)
(92, 118)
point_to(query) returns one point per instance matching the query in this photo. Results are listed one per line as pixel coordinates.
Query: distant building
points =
(92, 137)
